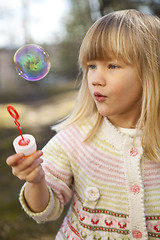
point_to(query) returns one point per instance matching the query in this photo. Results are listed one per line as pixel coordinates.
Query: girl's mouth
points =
(99, 97)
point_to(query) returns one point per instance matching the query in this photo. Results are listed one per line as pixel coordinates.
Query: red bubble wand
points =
(14, 114)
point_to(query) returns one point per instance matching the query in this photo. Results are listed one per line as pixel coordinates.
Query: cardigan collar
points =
(116, 136)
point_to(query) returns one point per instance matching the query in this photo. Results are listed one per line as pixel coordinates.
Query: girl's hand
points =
(28, 169)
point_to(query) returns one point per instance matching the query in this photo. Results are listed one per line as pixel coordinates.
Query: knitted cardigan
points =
(115, 189)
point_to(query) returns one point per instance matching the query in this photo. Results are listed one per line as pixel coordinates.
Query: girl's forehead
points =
(105, 47)
(107, 60)
(104, 53)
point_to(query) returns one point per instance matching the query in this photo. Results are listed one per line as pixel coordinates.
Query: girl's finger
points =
(30, 169)
(27, 162)
(13, 160)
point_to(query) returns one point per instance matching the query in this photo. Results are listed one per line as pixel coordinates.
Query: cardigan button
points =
(133, 152)
(137, 234)
(135, 189)
(92, 193)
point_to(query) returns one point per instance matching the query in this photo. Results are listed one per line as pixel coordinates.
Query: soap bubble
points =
(32, 62)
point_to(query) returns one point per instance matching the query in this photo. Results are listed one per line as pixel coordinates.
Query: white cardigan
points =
(116, 193)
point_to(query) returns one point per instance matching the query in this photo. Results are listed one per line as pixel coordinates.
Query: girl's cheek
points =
(116, 89)
(89, 87)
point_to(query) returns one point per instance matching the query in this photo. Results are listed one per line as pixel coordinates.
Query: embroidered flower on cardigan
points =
(92, 193)
(108, 222)
(81, 216)
(157, 228)
(122, 224)
(95, 220)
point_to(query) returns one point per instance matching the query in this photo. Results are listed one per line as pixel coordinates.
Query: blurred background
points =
(59, 27)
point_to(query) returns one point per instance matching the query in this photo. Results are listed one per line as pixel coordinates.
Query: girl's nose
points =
(99, 79)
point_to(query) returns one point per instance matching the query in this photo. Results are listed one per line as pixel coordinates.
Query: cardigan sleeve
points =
(57, 168)
(59, 178)
(50, 213)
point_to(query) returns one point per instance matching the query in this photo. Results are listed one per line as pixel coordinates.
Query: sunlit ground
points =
(36, 119)
(42, 113)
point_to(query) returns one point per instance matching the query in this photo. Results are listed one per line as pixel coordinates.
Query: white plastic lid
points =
(27, 149)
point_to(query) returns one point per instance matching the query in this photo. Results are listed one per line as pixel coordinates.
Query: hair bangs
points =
(109, 38)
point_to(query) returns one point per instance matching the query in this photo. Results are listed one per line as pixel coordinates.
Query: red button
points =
(137, 234)
(133, 152)
(135, 189)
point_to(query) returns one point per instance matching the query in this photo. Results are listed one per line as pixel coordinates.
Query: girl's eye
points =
(91, 66)
(112, 66)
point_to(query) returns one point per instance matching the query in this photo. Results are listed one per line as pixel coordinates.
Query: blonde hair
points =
(134, 37)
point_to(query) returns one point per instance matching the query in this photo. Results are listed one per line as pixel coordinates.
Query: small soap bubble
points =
(32, 62)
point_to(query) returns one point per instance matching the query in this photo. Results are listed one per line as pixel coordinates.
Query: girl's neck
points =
(123, 122)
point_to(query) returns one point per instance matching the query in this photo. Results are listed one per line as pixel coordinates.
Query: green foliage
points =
(81, 16)
(77, 22)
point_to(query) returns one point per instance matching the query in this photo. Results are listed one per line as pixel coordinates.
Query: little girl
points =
(106, 156)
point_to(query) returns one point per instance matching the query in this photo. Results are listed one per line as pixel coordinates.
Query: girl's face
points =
(116, 90)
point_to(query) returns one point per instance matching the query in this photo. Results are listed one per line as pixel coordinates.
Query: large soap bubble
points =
(32, 62)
